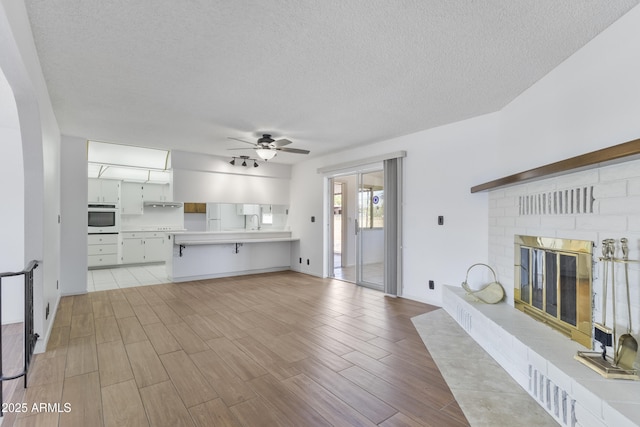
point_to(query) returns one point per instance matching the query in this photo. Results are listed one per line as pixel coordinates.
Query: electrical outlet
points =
(300, 260)
(46, 312)
(307, 261)
(432, 285)
(440, 220)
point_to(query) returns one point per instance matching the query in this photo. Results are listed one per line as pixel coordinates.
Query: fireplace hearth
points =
(553, 280)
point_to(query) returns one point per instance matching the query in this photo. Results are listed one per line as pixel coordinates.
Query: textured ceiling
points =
(326, 74)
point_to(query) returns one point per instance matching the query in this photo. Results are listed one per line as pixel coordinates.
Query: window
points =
(371, 207)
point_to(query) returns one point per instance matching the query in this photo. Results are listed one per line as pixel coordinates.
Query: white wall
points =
(591, 101)
(12, 215)
(41, 147)
(73, 199)
(203, 178)
(588, 102)
(441, 166)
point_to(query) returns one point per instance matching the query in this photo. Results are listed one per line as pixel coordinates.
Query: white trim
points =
(350, 166)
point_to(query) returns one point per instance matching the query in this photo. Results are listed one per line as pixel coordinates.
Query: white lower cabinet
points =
(132, 248)
(102, 250)
(141, 247)
(154, 247)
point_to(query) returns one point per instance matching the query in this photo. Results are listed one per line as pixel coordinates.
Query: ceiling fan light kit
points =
(265, 153)
(266, 147)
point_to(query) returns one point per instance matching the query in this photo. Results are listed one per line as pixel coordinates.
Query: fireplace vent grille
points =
(557, 401)
(572, 201)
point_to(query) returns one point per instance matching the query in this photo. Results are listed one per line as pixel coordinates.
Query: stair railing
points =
(30, 337)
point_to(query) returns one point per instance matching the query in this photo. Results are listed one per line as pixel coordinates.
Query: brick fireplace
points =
(614, 213)
(588, 205)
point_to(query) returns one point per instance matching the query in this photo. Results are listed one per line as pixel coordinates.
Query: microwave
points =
(103, 219)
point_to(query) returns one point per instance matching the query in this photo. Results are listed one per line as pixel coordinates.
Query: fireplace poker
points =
(612, 256)
(602, 333)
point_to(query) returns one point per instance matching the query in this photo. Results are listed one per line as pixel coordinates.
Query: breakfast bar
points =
(206, 255)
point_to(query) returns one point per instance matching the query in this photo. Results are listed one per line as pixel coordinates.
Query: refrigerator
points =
(214, 220)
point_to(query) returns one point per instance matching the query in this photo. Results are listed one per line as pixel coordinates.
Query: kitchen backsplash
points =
(154, 217)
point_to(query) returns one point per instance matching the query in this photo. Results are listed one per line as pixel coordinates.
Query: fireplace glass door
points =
(554, 283)
(568, 288)
(548, 281)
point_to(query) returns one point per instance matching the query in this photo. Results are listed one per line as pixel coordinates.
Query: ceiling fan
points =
(266, 147)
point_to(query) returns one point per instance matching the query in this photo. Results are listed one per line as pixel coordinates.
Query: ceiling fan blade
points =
(281, 142)
(242, 140)
(233, 149)
(294, 150)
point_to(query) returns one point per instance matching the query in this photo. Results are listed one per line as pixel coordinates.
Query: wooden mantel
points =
(592, 159)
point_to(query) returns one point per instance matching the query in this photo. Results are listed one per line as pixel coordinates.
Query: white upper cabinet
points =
(103, 191)
(132, 198)
(156, 193)
(134, 194)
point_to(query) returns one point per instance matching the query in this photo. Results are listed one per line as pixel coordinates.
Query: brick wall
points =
(554, 207)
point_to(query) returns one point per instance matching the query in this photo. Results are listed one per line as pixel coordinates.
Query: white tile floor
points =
(126, 277)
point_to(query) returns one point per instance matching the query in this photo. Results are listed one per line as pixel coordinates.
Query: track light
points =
(244, 161)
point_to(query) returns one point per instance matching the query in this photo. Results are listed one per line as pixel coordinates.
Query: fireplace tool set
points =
(625, 349)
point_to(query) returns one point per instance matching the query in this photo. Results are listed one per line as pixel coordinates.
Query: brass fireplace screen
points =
(553, 283)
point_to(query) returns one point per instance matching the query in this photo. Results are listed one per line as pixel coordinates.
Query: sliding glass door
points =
(365, 226)
(370, 230)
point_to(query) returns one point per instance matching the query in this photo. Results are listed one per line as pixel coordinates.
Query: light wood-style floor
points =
(280, 349)
(12, 358)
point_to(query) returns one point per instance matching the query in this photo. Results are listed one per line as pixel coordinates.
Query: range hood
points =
(160, 204)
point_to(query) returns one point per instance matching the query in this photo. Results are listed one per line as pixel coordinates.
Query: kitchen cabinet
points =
(195, 207)
(132, 248)
(141, 247)
(156, 193)
(132, 198)
(154, 247)
(102, 250)
(134, 194)
(104, 191)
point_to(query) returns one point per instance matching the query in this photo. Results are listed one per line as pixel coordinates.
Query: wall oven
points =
(103, 219)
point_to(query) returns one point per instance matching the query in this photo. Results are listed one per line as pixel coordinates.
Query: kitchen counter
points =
(187, 238)
(198, 255)
(167, 229)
